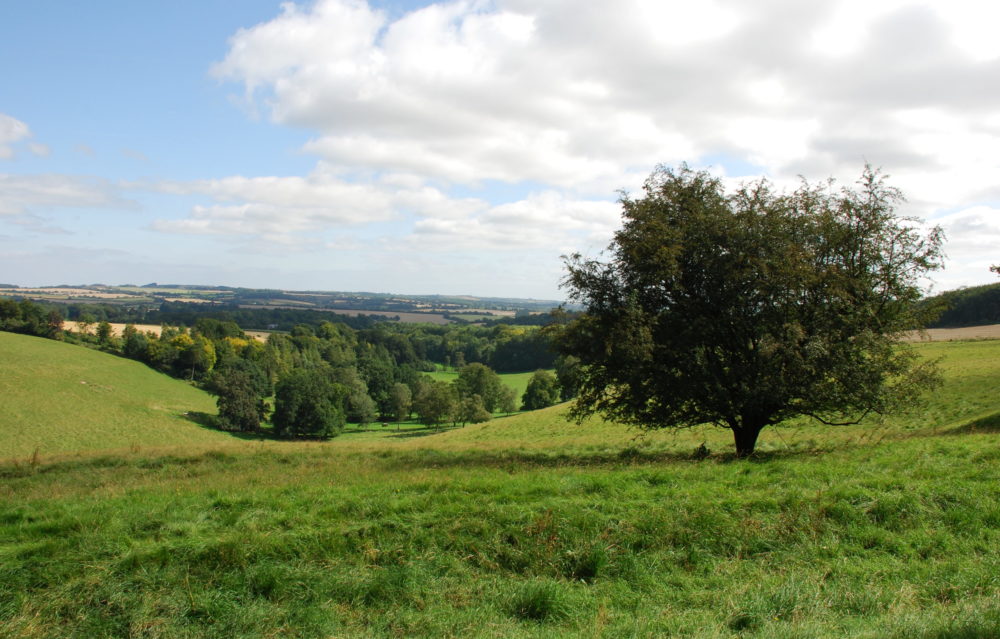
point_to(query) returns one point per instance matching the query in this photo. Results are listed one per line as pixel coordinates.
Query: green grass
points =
(527, 526)
(60, 398)
(877, 541)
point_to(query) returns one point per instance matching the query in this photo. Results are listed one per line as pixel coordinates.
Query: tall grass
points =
(527, 526)
(887, 540)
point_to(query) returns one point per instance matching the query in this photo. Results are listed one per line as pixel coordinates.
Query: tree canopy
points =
(479, 379)
(308, 404)
(749, 308)
(542, 391)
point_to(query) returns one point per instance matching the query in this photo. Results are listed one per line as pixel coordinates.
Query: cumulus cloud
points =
(974, 234)
(577, 100)
(11, 131)
(576, 95)
(34, 194)
(541, 221)
(278, 207)
(290, 211)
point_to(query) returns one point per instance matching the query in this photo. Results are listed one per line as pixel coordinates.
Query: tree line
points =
(313, 380)
(972, 306)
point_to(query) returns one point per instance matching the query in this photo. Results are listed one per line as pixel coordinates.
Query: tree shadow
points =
(211, 422)
(411, 434)
(521, 459)
(988, 424)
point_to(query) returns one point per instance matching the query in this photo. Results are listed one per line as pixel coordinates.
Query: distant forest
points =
(973, 306)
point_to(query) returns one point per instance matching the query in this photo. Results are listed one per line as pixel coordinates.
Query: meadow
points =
(517, 381)
(525, 526)
(60, 398)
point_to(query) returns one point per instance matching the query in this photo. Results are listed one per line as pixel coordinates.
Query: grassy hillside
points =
(971, 372)
(874, 541)
(517, 381)
(59, 398)
(527, 526)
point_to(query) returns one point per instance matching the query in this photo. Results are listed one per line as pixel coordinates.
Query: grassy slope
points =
(970, 391)
(61, 398)
(527, 527)
(517, 381)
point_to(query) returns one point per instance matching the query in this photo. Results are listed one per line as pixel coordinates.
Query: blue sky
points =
(460, 147)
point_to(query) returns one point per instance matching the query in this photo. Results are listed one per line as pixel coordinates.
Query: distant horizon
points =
(556, 301)
(282, 289)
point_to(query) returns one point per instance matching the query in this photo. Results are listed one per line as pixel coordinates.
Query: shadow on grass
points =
(424, 432)
(521, 459)
(211, 422)
(988, 424)
(506, 460)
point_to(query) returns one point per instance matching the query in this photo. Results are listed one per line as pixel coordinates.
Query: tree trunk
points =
(746, 439)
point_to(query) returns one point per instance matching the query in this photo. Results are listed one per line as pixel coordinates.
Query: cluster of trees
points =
(321, 378)
(478, 392)
(324, 375)
(187, 313)
(502, 346)
(973, 306)
(28, 318)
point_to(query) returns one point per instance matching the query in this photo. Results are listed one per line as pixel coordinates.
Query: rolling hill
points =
(527, 526)
(60, 398)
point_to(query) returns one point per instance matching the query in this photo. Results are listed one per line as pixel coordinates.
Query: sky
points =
(463, 147)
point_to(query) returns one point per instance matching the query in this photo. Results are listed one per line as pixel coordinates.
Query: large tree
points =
(240, 404)
(749, 308)
(479, 379)
(542, 391)
(308, 404)
(435, 402)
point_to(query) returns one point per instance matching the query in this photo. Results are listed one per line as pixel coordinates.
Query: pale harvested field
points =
(415, 318)
(117, 329)
(64, 293)
(155, 329)
(990, 331)
(189, 300)
(475, 311)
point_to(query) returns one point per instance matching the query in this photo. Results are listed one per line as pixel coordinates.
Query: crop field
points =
(990, 331)
(525, 526)
(63, 293)
(118, 329)
(415, 318)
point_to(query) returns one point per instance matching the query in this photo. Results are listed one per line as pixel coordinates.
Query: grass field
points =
(60, 398)
(526, 526)
(517, 381)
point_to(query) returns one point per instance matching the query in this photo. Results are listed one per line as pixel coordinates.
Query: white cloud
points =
(541, 221)
(278, 207)
(34, 194)
(580, 99)
(292, 211)
(973, 233)
(575, 95)
(11, 131)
